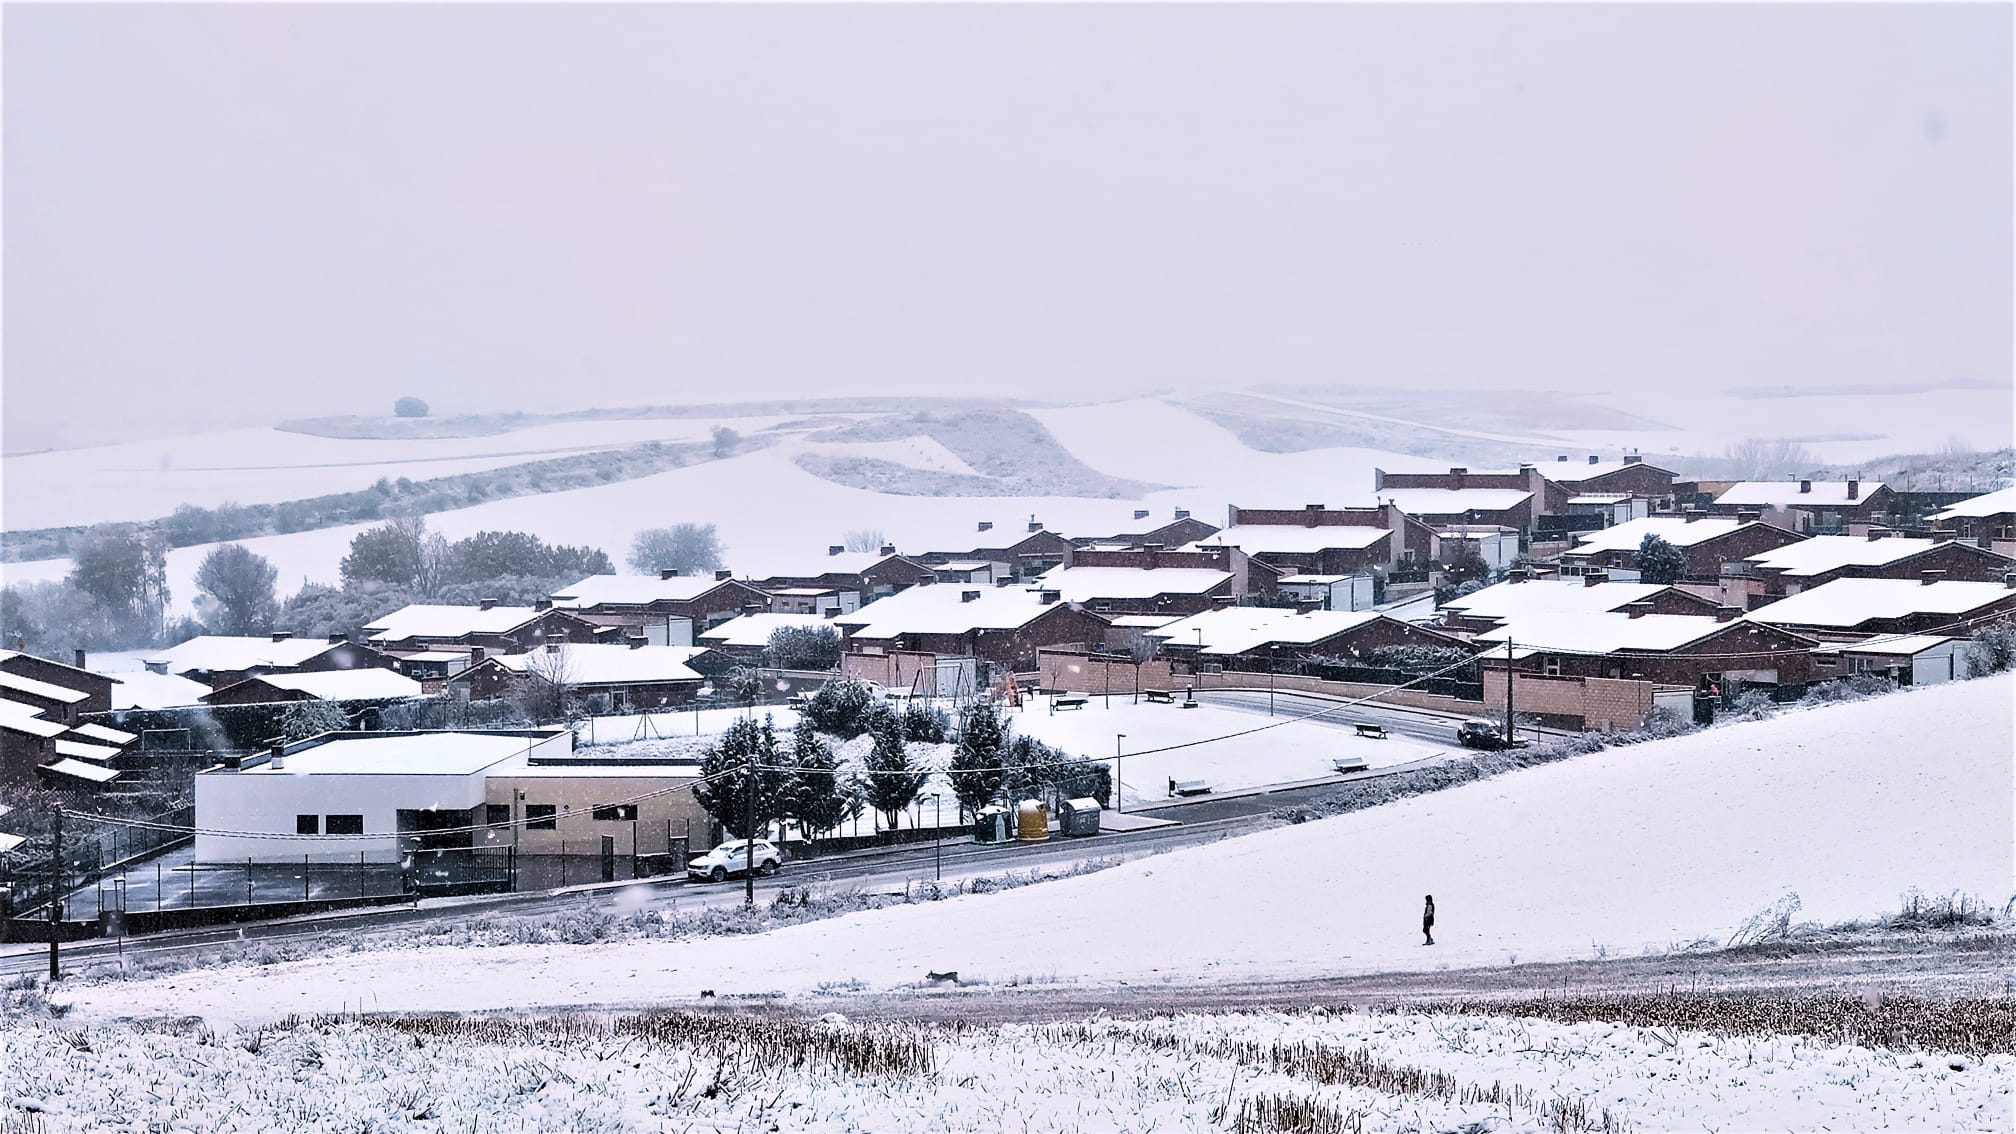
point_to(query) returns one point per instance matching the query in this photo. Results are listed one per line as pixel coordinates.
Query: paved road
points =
(1416, 724)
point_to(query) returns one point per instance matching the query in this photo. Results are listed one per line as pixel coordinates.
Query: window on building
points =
(540, 817)
(307, 824)
(622, 812)
(1551, 666)
(343, 825)
(496, 814)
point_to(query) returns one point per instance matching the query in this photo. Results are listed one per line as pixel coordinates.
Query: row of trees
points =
(687, 548)
(404, 553)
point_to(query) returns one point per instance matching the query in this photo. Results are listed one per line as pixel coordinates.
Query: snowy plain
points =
(1640, 848)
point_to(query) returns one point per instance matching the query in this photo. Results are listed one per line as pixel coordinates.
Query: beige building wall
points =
(662, 819)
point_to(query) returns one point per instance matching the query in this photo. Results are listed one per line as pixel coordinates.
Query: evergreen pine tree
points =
(822, 798)
(1659, 561)
(725, 781)
(892, 781)
(976, 772)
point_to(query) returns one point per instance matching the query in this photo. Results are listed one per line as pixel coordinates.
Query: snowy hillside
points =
(1637, 848)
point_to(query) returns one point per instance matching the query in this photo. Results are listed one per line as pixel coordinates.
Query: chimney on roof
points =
(552, 647)
(338, 638)
(1047, 598)
(1634, 459)
(1313, 513)
(1035, 525)
(278, 753)
(986, 526)
(835, 548)
(80, 659)
(282, 635)
(723, 575)
(1638, 609)
(1151, 555)
(1458, 470)
(486, 604)
(1748, 515)
(1728, 613)
(1562, 459)
(1140, 513)
(1876, 533)
(1805, 486)
(636, 641)
(1693, 513)
(1929, 576)
(2009, 580)
(1854, 489)
(668, 573)
(1595, 578)
(1518, 574)
(888, 549)
(476, 654)
(1182, 513)
(969, 596)
(1594, 459)
(542, 604)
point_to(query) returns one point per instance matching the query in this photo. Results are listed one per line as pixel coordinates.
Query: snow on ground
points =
(1104, 1076)
(917, 452)
(1290, 753)
(1637, 848)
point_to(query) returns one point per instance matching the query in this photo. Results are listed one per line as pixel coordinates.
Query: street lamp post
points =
(938, 836)
(1118, 804)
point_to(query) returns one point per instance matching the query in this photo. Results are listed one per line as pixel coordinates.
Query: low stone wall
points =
(1596, 702)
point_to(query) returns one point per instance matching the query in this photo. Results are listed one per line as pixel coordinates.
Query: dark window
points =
(539, 817)
(307, 824)
(343, 825)
(496, 814)
(622, 812)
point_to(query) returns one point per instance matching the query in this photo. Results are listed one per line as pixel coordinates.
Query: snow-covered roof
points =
(1676, 530)
(1848, 603)
(805, 592)
(1778, 493)
(1563, 472)
(1989, 504)
(80, 770)
(403, 754)
(436, 656)
(1142, 621)
(1825, 553)
(582, 769)
(609, 664)
(1598, 632)
(17, 717)
(1518, 600)
(1449, 501)
(8, 655)
(941, 610)
(1290, 539)
(843, 563)
(225, 652)
(28, 686)
(430, 620)
(1601, 498)
(1317, 580)
(345, 684)
(964, 564)
(1237, 629)
(10, 842)
(754, 630)
(145, 690)
(102, 735)
(633, 590)
(1084, 584)
(79, 750)
(1890, 645)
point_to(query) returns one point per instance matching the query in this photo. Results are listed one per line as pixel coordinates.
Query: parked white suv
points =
(733, 858)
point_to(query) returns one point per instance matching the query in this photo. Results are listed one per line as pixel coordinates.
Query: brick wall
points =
(1100, 673)
(1598, 702)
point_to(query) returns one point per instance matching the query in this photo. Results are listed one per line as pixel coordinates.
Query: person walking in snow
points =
(1428, 921)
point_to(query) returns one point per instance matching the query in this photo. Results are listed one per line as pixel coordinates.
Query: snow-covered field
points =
(1290, 753)
(1184, 1073)
(1637, 848)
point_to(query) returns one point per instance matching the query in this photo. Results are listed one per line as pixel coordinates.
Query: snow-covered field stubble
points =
(715, 1073)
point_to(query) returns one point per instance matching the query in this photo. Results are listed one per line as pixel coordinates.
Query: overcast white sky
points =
(254, 212)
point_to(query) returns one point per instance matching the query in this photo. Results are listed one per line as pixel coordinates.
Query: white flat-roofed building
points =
(1911, 659)
(378, 793)
(1330, 592)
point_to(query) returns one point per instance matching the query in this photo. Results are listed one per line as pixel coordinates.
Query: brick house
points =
(1026, 558)
(96, 687)
(1989, 520)
(1707, 542)
(1003, 625)
(1851, 609)
(27, 740)
(1249, 576)
(58, 703)
(1140, 590)
(1629, 477)
(668, 609)
(1665, 649)
(330, 685)
(1183, 529)
(219, 660)
(1549, 498)
(1810, 507)
(747, 639)
(634, 678)
(499, 629)
(1500, 603)
(869, 574)
(1265, 638)
(1448, 507)
(1316, 540)
(1809, 563)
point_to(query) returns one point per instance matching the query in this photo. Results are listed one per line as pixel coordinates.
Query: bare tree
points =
(431, 571)
(548, 686)
(1757, 458)
(865, 539)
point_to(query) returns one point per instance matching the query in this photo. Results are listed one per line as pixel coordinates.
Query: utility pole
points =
(56, 896)
(1118, 805)
(1508, 692)
(749, 833)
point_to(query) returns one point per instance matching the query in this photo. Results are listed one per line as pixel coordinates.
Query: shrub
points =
(842, 708)
(1992, 649)
(925, 725)
(409, 407)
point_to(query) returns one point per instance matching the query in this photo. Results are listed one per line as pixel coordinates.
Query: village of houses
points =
(1522, 589)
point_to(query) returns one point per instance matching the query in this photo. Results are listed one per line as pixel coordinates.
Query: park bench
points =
(1161, 697)
(1349, 764)
(1189, 787)
(1375, 731)
(1074, 702)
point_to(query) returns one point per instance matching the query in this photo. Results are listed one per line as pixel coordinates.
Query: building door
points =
(608, 858)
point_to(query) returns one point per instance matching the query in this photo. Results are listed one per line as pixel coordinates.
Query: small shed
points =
(1078, 817)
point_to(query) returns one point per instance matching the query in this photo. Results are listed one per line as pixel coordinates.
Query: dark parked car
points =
(1486, 734)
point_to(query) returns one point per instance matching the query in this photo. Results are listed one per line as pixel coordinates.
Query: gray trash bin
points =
(1078, 817)
(994, 825)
